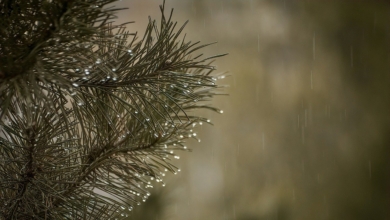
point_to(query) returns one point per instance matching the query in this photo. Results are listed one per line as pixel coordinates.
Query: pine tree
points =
(90, 114)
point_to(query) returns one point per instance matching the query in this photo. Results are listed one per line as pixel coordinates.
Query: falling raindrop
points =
(314, 45)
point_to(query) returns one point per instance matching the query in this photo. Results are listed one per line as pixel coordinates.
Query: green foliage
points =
(89, 113)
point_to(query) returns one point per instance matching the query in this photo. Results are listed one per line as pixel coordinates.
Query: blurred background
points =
(305, 132)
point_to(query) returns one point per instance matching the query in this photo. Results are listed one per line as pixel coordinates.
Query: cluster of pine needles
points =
(90, 113)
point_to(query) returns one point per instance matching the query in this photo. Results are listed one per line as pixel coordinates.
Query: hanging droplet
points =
(221, 111)
(98, 61)
(75, 84)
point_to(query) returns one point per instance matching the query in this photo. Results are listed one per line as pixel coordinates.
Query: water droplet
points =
(113, 69)
(177, 157)
(221, 111)
(75, 84)
(98, 61)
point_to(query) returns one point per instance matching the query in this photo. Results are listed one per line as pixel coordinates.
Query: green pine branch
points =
(90, 114)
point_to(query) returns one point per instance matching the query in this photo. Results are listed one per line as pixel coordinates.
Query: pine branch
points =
(89, 113)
